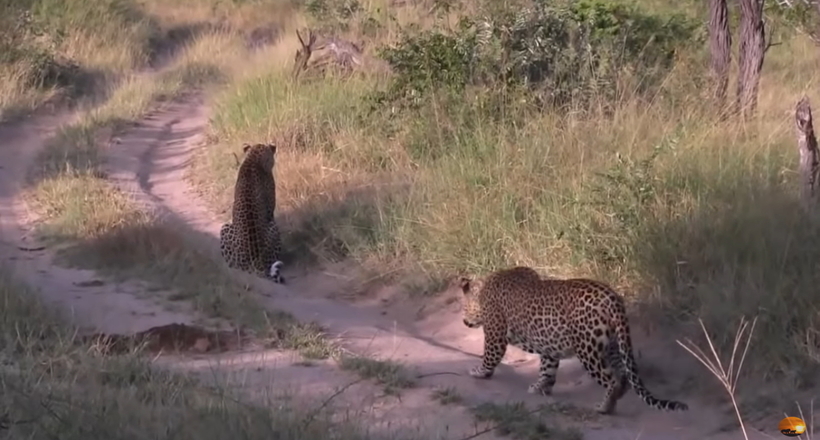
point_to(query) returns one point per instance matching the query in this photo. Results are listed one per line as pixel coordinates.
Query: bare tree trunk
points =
(816, 31)
(807, 146)
(750, 56)
(720, 46)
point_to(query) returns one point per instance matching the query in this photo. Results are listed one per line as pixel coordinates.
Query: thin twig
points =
(441, 373)
(493, 427)
(31, 249)
(312, 415)
(745, 350)
(728, 378)
(6, 422)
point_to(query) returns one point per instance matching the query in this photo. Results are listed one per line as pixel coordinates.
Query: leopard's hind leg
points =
(227, 247)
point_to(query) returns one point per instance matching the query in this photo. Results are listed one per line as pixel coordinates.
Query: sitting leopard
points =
(252, 242)
(555, 319)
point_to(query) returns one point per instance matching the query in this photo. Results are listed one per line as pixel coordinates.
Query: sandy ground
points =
(149, 162)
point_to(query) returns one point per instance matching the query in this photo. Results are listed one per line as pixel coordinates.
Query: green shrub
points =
(560, 52)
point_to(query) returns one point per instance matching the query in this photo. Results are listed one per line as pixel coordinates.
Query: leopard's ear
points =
(246, 147)
(272, 147)
(464, 284)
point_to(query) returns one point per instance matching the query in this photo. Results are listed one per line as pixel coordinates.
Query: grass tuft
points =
(391, 375)
(447, 395)
(518, 422)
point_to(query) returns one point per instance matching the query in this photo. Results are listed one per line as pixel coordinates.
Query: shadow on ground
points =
(746, 249)
(334, 226)
(168, 43)
(171, 258)
(171, 338)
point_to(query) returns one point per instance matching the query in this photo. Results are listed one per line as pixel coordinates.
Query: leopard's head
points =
(263, 155)
(470, 305)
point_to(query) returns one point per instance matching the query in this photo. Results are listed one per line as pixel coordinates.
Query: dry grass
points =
(242, 16)
(75, 47)
(81, 49)
(15, 95)
(728, 374)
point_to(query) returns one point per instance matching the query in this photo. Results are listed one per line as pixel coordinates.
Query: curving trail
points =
(83, 296)
(149, 162)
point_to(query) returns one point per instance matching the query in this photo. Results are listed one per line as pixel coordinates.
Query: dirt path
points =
(149, 162)
(86, 299)
(101, 305)
(154, 157)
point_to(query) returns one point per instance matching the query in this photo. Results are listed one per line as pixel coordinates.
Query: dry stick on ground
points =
(807, 146)
(495, 426)
(31, 249)
(312, 415)
(727, 377)
(440, 373)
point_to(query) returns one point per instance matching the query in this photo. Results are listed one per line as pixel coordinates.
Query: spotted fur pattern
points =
(252, 241)
(556, 319)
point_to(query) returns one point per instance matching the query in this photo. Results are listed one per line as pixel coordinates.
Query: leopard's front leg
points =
(495, 346)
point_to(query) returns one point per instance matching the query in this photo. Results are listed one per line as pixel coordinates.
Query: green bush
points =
(431, 60)
(560, 52)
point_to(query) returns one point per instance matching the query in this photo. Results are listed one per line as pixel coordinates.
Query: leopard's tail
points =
(630, 369)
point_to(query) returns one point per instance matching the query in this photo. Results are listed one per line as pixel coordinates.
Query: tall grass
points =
(688, 216)
(78, 48)
(69, 46)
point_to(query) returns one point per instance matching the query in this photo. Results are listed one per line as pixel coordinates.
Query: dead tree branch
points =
(807, 146)
(770, 44)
